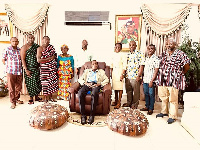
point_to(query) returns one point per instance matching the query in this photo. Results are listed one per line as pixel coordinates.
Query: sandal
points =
(30, 102)
(117, 106)
(133, 107)
(60, 98)
(41, 100)
(113, 104)
(53, 100)
(125, 105)
(170, 120)
(13, 106)
(161, 115)
(20, 102)
(38, 99)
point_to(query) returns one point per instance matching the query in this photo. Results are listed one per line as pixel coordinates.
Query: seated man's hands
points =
(96, 85)
(90, 85)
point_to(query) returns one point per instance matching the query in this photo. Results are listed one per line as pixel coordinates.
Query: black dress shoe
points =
(91, 119)
(150, 112)
(83, 119)
(144, 109)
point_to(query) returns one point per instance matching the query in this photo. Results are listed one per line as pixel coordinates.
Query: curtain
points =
(199, 11)
(33, 19)
(28, 18)
(162, 21)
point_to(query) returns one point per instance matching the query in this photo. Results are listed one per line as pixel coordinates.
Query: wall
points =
(100, 38)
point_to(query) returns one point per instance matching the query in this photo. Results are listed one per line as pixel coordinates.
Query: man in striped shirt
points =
(171, 78)
(12, 60)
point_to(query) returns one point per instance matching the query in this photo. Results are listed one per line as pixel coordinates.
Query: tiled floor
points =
(16, 134)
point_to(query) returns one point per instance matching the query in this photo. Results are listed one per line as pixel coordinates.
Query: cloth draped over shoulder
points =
(48, 71)
(33, 83)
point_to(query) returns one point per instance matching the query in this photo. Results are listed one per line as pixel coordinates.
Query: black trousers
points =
(94, 98)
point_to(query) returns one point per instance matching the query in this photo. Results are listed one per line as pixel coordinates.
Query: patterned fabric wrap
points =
(48, 72)
(65, 74)
(13, 60)
(171, 69)
(33, 83)
(127, 121)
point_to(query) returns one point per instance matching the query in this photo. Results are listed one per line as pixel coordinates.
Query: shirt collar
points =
(13, 49)
(93, 71)
(175, 51)
(151, 56)
(133, 52)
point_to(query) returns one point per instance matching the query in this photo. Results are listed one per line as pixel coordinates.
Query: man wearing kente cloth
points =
(46, 56)
(31, 68)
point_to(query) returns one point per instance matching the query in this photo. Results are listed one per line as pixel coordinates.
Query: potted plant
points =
(192, 49)
(3, 88)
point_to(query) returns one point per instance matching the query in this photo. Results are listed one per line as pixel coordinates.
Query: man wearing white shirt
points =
(150, 73)
(83, 56)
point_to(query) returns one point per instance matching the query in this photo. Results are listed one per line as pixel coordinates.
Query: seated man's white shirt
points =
(82, 57)
(92, 77)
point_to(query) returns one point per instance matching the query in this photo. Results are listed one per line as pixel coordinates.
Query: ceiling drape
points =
(162, 21)
(27, 17)
(199, 11)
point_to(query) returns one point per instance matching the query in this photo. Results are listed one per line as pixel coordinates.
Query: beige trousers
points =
(169, 95)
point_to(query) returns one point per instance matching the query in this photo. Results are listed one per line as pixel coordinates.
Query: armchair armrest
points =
(107, 89)
(74, 87)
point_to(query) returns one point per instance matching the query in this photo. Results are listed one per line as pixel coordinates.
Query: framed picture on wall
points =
(128, 28)
(5, 28)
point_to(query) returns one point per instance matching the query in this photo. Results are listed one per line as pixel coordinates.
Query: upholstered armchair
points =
(103, 106)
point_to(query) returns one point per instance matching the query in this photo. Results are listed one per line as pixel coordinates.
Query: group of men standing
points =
(39, 65)
(167, 71)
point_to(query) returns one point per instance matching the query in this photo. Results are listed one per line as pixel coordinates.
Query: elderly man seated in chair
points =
(91, 80)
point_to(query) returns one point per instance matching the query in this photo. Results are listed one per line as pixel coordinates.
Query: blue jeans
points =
(149, 96)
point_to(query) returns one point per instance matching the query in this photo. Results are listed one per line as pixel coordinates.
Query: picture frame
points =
(128, 28)
(6, 29)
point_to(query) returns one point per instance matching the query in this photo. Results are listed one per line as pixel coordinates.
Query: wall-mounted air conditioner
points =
(87, 18)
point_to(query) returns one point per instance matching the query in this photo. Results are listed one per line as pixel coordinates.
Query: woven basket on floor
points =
(3, 89)
(127, 121)
(48, 116)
